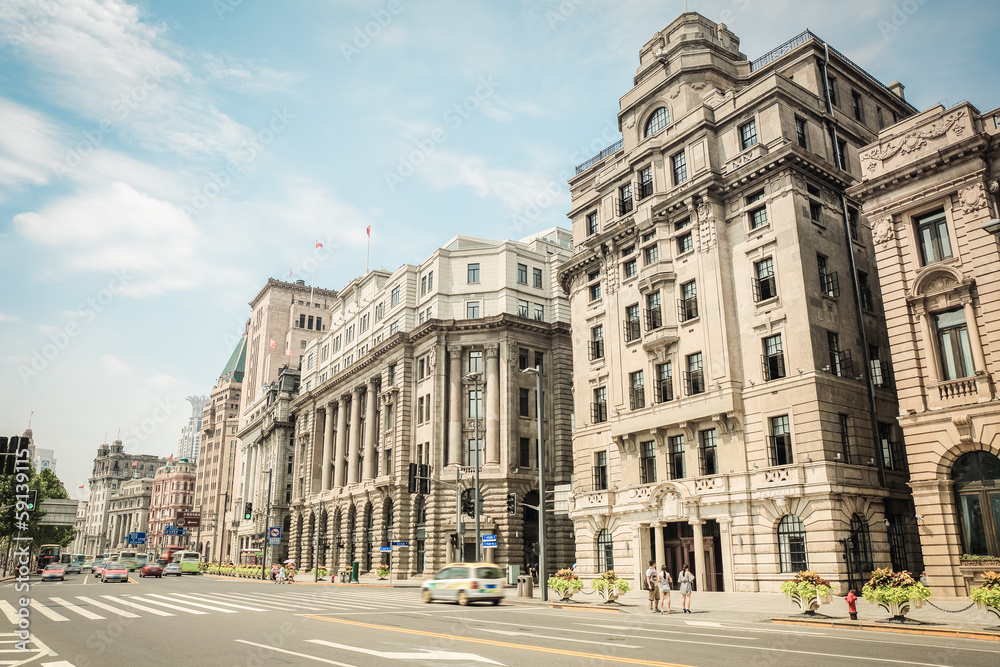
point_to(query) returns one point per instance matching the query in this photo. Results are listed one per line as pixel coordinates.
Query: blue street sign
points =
(491, 538)
(489, 541)
(136, 538)
(174, 530)
(385, 548)
(400, 544)
(274, 535)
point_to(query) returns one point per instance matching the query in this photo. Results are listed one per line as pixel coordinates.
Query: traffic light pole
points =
(537, 372)
(267, 523)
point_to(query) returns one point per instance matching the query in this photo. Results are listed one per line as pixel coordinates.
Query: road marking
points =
(287, 606)
(205, 598)
(194, 604)
(158, 612)
(61, 663)
(8, 611)
(301, 655)
(169, 606)
(86, 613)
(45, 611)
(494, 642)
(419, 654)
(692, 634)
(515, 633)
(603, 634)
(113, 610)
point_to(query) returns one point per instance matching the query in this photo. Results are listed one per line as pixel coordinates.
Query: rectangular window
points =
(524, 453)
(631, 324)
(709, 453)
(891, 448)
(694, 376)
(675, 457)
(420, 410)
(857, 106)
(324, 352)
(800, 132)
(630, 268)
(536, 275)
(758, 217)
(685, 243)
(522, 274)
(865, 289)
(599, 408)
(594, 277)
(472, 310)
(646, 183)
(637, 391)
(832, 83)
(423, 286)
(815, 211)
(880, 369)
(592, 223)
(524, 402)
(829, 284)
(475, 361)
(852, 222)
(681, 224)
(628, 251)
(625, 199)
(845, 438)
(842, 154)
(597, 342)
(523, 360)
(379, 311)
(539, 358)
(779, 450)
(647, 462)
(652, 254)
(430, 281)
(420, 368)
(475, 403)
(474, 452)
(664, 382)
(954, 348)
(688, 304)
(774, 358)
(764, 285)
(393, 328)
(392, 375)
(363, 325)
(881, 118)
(840, 360)
(349, 334)
(654, 313)
(473, 273)
(309, 325)
(394, 298)
(522, 308)
(600, 471)
(538, 312)
(932, 233)
(748, 135)
(679, 164)
(309, 360)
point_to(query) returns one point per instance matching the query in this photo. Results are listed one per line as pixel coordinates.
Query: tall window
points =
(594, 278)
(605, 551)
(475, 361)
(625, 199)
(829, 285)
(474, 273)
(654, 313)
(748, 135)
(845, 438)
(852, 222)
(675, 457)
(688, 305)
(600, 471)
(842, 154)
(774, 358)
(474, 454)
(679, 165)
(632, 331)
(932, 233)
(861, 544)
(832, 84)
(764, 286)
(694, 377)
(800, 131)
(779, 450)
(867, 303)
(599, 408)
(394, 299)
(651, 254)
(881, 370)
(472, 310)
(630, 268)
(758, 217)
(637, 391)
(524, 402)
(857, 106)
(522, 274)
(977, 486)
(664, 383)
(592, 223)
(597, 342)
(423, 285)
(891, 448)
(647, 462)
(659, 120)
(536, 275)
(645, 183)
(954, 348)
(840, 360)
(792, 544)
(524, 452)
(709, 453)
(522, 307)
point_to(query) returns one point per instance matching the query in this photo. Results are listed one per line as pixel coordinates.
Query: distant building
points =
(173, 491)
(81, 525)
(45, 459)
(128, 512)
(190, 438)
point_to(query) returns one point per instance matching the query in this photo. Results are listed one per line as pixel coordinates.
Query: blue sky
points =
(160, 160)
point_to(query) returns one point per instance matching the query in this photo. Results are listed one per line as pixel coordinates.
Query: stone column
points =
(455, 405)
(339, 468)
(327, 448)
(491, 390)
(661, 552)
(353, 473)
(977, 345)
(371, 428)
(699, 553)
(307, 546)
(928, 340)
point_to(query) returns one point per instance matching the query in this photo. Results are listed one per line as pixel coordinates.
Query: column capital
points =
(695, 522)
(492, 349)
(373, 383)
(454, 348)
(360, 389)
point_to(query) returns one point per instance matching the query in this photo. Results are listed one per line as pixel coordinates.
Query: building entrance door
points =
(678, 547)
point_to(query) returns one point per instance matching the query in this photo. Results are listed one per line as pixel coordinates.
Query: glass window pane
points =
(991, 468)
(973, 532)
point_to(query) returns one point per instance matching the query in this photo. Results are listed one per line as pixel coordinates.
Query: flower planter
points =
(896, 592)
(989, 609)
(807, 590)
(808, 605)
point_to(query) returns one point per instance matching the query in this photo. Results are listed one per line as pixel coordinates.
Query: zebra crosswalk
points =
(95, 607)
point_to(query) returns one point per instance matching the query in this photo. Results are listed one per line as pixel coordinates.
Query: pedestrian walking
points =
(653, 585)
(274, 573)
(280, 575)
(666, 581)
(852, 604)
(685, 579)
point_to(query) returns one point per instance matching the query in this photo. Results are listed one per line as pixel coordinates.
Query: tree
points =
(47, 485)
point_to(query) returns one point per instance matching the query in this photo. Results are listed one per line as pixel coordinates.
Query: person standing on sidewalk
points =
(685, 579)
(665, 583)
(653, 585)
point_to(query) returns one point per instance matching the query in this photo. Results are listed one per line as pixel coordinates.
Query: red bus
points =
(171, 551)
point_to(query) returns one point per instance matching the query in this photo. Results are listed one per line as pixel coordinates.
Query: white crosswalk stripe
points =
(8, 611)
(169, 606)
(202, 598)
(107, 607)
(86, 613)
(45, 611)
(285, 606)
(193, 604)
(127, 603)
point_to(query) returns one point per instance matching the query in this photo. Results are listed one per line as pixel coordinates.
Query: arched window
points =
(861, 544)
(659, 120)
(792, 544)
(976, 477)
(605, 552)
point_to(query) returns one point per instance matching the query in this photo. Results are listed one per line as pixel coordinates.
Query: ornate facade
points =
(173, 491)
(731, 412)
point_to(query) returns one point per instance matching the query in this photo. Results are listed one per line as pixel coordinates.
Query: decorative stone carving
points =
(491, 349)
(512, 350)
(964, 425)
(913, 140)
(629, 123)
(883, 231)
(707, 238)
(431, 358)
(971, 199)
(670, 506)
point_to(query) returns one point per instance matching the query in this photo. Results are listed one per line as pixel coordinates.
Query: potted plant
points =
(895, 592)
(382, 571)
(610, 586)
(987, 596)
(322, 573)
(345, 575)
(565, 582)
(808, 590)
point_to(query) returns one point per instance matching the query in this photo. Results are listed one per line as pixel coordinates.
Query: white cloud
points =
(113, 364)
(163, 381)
(16, 360)
(244, 76)
(8, 317)
(28, 145)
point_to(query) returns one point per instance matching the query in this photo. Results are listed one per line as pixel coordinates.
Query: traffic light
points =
(512, 503)
(248, 511)
(7, 454)
(424, 478)
(468, 506)
(454, 541)
(32, 497)
(411, 478)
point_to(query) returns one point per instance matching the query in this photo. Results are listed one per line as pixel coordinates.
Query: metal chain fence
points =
(951, 611)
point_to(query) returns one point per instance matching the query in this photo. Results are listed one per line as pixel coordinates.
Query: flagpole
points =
(369, 252)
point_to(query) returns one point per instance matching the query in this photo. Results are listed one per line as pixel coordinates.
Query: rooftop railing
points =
(610, 150)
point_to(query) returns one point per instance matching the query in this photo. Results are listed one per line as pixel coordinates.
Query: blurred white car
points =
(465, 583)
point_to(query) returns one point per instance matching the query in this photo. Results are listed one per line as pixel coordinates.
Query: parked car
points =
(73, 568)
(98, 567)
(54, 571)
(114, 572)
(173, 568)
(151, 570)
(465, 583)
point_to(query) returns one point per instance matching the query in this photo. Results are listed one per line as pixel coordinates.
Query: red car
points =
(151, 570)
(98, 568)
(114, 572)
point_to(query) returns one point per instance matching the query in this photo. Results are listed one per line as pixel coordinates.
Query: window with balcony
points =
(522, 274)
(600, 471)
(646, 183)
(708, 452)
(654, 312)
(631, 324)
(867, 303)
(685, 243)
(829, 284)
(764, 285)
(664, 383)
(932, 234)
(647, 462)
(592, 227)
(599, 408)
(694, 376)
(954, 348)
(594, 288)
(659, 120)
(748, 135)
(773, 359)
(678, 164)
(597, 342)
(624, 201)
(840, 360)
(630, 269)
(688, 305)
(637, 391)
(779, 442)
(890, 448)
(792, 544)
(536, 275)
(473, 273)
(675, 457)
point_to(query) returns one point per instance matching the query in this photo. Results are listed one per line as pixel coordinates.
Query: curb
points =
(857, 625)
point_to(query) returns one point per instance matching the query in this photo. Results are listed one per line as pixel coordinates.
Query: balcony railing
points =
(654, 319)
(632, 330)
(960, 388)
(596, 349)
(610, 150)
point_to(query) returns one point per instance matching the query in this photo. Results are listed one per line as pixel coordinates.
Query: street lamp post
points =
(537, 372)
(267, 522)
(475, 377)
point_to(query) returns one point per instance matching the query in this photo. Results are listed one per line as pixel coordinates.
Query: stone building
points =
(727, 327)
(928, 186)
(424, 365)
(285, 318)
(213, 491)
(112, 468)
(173, 491)
(128, 512)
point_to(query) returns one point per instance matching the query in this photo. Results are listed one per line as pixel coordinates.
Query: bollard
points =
(355, 568)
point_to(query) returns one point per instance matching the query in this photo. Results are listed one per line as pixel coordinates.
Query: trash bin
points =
(525, 586)
(513, 574)
(355, 568)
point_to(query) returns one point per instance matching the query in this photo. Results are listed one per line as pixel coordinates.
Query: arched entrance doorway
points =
(977, 487)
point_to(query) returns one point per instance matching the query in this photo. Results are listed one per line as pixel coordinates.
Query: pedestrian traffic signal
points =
(32, 497)
(512, 503)
(424, 478)
(454, 541)
(248, 511)
(411, 478)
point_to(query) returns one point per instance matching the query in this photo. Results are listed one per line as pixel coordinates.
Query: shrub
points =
(886, 587)
(565, 581)
(989, 592)
(806, 584)
(382, 571)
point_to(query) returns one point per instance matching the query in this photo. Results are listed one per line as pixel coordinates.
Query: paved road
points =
(212, 621)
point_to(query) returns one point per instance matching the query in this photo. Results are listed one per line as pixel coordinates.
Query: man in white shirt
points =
(653, 584)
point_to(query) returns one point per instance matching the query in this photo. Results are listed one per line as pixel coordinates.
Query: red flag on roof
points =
(135, 463)
(273, 345)
(369, 230)
(318, 244)
(81, 486)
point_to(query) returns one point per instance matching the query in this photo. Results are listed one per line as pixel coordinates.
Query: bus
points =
(171, 551)
(48, 554)
(129, 559)
(188, 561)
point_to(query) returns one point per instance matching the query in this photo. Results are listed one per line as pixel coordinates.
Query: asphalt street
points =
(198, 620)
